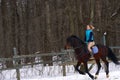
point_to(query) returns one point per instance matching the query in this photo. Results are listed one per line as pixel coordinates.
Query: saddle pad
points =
(95, 49)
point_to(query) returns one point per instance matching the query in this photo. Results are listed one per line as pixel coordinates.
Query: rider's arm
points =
(90, 38)
(85, 38)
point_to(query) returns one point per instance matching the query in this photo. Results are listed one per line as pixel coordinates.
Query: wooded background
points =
(44, 25)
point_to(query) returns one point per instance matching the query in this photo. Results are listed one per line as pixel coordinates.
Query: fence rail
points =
(30, 56)
(115, 47)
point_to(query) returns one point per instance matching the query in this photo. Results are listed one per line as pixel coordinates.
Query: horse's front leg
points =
(87, 71)
(78, 69)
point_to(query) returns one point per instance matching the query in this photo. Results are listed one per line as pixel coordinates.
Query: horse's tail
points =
(112, 56)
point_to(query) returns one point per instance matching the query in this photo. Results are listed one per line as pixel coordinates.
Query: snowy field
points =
(55, 73)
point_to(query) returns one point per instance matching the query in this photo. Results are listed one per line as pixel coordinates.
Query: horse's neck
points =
(78, 46)
(80, 52)
(79, 49)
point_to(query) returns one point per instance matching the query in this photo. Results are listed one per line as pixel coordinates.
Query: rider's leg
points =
(90, 44)
(89, 48)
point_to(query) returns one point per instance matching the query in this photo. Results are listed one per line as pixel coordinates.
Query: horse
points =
(83, 55)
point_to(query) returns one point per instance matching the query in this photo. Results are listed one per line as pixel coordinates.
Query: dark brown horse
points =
(83, 56)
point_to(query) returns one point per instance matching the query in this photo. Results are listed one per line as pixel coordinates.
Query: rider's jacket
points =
(89, 36)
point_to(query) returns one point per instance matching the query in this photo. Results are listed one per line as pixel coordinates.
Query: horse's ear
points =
(83, 42)
(74, 36)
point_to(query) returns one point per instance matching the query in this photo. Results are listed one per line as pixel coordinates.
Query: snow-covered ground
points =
(113, 76)
(55, 73)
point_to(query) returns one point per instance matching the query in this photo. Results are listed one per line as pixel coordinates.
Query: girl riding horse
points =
(83, 56)
(89, 38)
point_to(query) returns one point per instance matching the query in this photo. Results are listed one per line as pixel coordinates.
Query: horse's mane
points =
(74, 36)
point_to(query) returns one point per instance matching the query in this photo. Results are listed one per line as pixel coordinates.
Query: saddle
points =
(94, 49)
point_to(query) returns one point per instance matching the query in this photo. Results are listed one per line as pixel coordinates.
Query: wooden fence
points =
(66, 58)
(16, 58)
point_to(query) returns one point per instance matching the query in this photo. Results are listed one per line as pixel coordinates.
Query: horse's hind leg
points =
(98, 70)
(77, 68)
(106, 67)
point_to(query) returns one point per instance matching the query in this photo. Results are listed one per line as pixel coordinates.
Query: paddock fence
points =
(63, 58)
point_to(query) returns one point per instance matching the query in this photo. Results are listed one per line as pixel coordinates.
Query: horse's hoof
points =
(92, 77)
(82, 73)
(96, 76)
(107, 76)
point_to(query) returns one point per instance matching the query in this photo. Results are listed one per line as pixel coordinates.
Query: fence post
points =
(63, 63)
(104, 38)
(64, 70)
(16, 64)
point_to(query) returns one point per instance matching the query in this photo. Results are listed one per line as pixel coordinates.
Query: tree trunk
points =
(92, 2)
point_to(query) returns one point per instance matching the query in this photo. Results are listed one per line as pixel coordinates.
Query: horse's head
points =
(73, 41)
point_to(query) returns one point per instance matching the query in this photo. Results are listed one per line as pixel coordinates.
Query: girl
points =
(89, 37)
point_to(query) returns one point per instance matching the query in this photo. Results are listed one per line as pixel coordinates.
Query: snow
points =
(39, 72)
